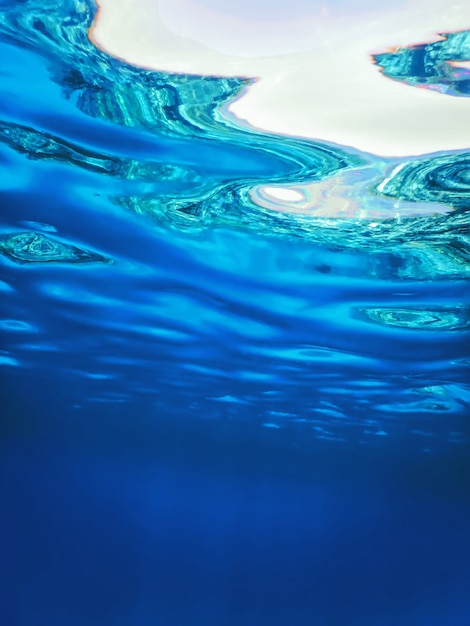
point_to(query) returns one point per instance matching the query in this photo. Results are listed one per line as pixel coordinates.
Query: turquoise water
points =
(218, 409)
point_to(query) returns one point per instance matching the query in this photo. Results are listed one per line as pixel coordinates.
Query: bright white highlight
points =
(285, 194)
(315, 75)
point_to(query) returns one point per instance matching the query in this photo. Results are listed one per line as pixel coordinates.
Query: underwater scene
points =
(235, 315)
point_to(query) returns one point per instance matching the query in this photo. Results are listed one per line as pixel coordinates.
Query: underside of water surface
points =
(249, 269)
(207, 330)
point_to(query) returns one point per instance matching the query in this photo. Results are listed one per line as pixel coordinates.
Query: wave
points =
(314, 272)
(432, 65)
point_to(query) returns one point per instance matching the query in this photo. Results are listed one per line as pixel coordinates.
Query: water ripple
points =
(38, 248)
(432, 65)
(444, 179)
(419, 318)
(233, 274)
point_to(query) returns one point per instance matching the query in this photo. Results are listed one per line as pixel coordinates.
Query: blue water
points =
(214, 412)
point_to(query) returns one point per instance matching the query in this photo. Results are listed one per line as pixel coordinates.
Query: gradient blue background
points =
(210, 414)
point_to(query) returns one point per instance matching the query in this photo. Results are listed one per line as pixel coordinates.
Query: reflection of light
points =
(285, 194)
(461, 65)
(348, 195)
(315, 75)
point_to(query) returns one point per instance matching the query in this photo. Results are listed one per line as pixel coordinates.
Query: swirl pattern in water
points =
(156, 252)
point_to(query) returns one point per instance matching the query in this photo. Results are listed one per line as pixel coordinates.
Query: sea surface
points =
(234, 366)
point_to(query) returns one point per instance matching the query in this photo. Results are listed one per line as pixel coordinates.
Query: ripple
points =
(417, 318)
(346, 195)
(431, 65)
(38, 248)
(248, 250)
(444, 179)
(47, 228)
(39, 145)
(5, 287)
(5, 359)
(17, 326)
(183, 165)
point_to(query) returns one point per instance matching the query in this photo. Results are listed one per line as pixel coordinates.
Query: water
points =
(234, 366)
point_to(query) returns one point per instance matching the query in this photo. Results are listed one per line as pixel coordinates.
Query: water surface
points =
(234, 365)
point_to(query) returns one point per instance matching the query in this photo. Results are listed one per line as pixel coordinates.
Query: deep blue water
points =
(214, 412)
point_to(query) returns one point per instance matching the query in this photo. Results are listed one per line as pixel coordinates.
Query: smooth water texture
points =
(234, 365)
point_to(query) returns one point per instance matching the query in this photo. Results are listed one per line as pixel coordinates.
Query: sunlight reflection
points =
(315, 76)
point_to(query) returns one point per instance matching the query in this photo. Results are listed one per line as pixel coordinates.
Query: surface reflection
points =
(314, 69)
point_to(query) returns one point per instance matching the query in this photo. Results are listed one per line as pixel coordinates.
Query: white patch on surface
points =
(315, 77)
